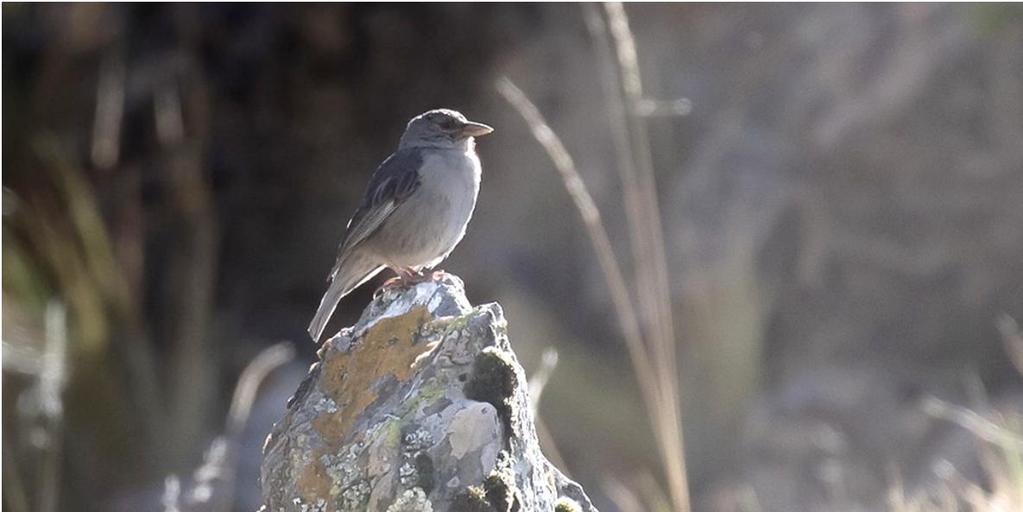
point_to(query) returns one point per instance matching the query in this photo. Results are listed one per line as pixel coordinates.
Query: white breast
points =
(452, 178)
(424, 229)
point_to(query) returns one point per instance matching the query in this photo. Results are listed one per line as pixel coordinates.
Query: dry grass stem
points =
(650, 257)
(167, 110)
(212, 484)
(978, 425)
(538, 381)
(550, 447)
(252, 376)
(622, 496)
(244, 396)
(657, 376)
(597, 233)
(1012, 338)
(106, 130)
(15, 494)
(648, 216)
(51, 404)
(620, 136)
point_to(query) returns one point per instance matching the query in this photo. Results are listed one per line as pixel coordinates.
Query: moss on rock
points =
(472, 499)
(424, 468)
(494, 381)
(497, 493)
(567, 505)
(501, 492)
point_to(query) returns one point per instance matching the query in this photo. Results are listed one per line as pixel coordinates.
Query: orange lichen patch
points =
(387, 348)
(330, 426)
(313, 482)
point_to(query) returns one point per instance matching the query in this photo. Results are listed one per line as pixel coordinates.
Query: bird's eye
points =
(448, 124)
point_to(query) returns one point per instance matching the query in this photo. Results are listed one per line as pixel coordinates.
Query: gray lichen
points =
(411, 500)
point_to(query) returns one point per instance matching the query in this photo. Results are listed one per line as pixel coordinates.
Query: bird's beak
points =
(474, 129)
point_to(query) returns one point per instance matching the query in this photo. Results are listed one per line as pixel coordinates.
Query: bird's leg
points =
(414, 276)
(403, 275)
(408, 276)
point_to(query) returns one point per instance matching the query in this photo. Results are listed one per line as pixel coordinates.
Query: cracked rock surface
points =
(420, 406)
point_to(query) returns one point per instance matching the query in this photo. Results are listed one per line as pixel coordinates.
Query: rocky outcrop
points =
(421, 405)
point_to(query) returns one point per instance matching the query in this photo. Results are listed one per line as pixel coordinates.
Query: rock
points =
(420, 406)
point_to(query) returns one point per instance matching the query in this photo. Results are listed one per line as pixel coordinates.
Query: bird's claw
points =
(410, 278)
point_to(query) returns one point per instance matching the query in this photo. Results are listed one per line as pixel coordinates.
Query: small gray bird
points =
(415, 209)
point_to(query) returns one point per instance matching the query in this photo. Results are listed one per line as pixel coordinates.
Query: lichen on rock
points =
(421, 405)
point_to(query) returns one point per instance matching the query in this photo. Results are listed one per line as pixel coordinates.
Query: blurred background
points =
(840, 186)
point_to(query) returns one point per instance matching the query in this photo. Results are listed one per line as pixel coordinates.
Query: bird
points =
(414, 211)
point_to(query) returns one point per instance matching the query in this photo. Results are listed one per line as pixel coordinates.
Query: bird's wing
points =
(392, 183)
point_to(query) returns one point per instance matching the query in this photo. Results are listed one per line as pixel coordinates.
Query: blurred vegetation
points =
(840, 188)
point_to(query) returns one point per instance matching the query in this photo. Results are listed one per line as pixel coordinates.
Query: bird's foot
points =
(414, 277)
(410, 277)
(405, 277)
(394, 281)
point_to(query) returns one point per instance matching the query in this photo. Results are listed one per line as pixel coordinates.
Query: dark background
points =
(842, 205)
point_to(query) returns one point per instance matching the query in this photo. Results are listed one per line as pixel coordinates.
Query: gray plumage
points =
(415, 209)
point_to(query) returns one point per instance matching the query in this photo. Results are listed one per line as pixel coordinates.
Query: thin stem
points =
(251, 378)
(634, 211)
(623, 147)
(654, 258)
(653, 279)
(52, 379)
(598, 237)
(106, 130)
(538, 380)
(15, 495)
(982, 427)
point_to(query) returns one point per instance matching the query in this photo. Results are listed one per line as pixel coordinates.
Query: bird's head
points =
(441, 128)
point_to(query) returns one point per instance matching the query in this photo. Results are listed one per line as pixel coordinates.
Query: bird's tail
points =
(351, 273)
